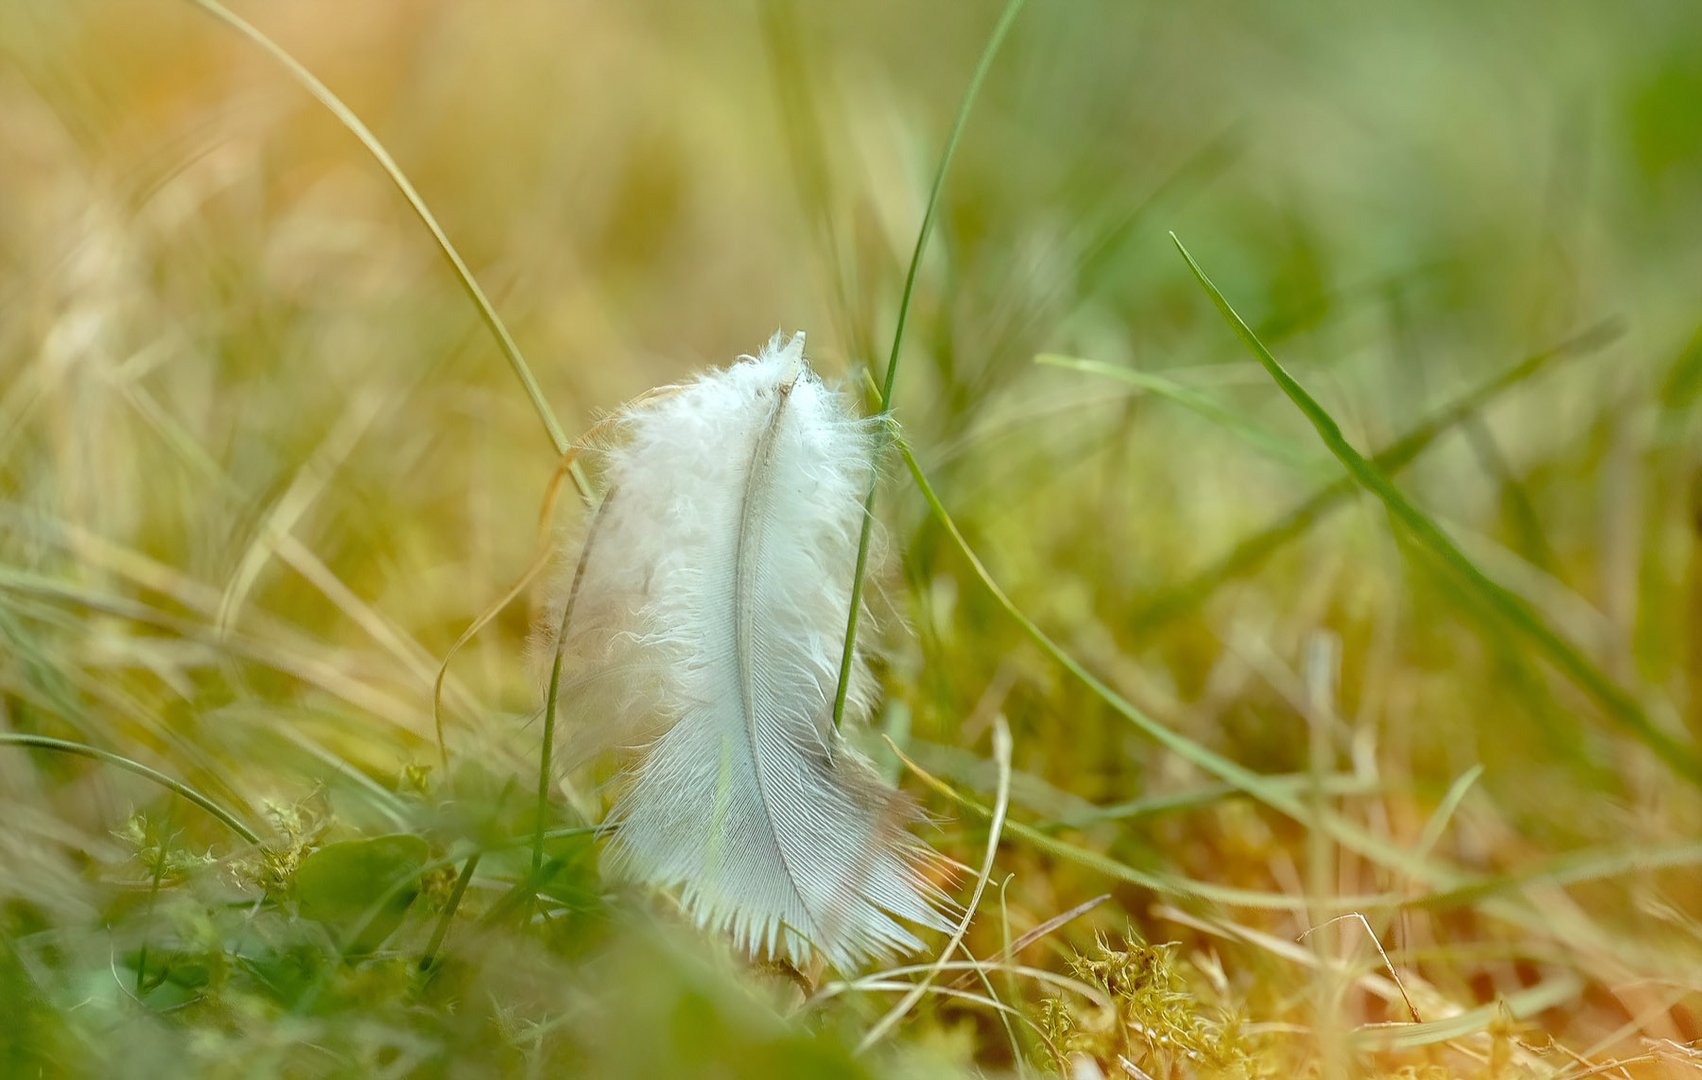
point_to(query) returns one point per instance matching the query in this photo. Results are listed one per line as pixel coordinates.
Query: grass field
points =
(1336, 567)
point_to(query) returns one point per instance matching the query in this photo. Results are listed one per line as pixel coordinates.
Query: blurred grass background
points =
(261, 464)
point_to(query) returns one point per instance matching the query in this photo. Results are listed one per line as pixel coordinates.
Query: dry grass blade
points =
(552, 697)
(543, 550)
(1057, 921)
(1412, 1010)
(1520, 1004)
(1002, 755)
(333, 104)
(971, 969)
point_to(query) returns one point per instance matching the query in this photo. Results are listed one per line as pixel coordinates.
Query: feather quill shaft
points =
(718, 593)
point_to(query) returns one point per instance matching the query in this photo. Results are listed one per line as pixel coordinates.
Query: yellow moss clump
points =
(1158, 1023)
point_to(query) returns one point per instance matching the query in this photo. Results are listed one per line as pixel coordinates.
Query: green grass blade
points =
(457, 893)
(1000, 30)
(1516, 612)
(107, 757)
(553, 695)
(1248, 554)
(545, 753)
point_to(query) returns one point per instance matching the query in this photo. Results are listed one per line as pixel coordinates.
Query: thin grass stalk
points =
(499, 330)
(1001, 802)
(177, 787)
(1000, 30)
(545, 755)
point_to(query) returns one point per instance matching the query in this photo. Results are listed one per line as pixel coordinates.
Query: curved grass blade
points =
(1000, 30)
(1013, 949)
(345, 116)
(1513, 609)
(107, 757)
(543, 550)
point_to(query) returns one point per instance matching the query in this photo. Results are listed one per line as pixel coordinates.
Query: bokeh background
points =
(261, 464)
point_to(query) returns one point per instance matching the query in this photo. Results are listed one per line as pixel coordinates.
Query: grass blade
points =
(1247, 555)
(1516, 612)
(1520, 1004)
(1002, 754)
(1000, 30)
(345, 116)
(552, 696)
(107, 757)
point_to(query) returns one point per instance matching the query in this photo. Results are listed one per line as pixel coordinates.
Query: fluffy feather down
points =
(711, 609)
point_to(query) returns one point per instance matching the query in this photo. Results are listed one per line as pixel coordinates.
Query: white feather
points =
(711, 608)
